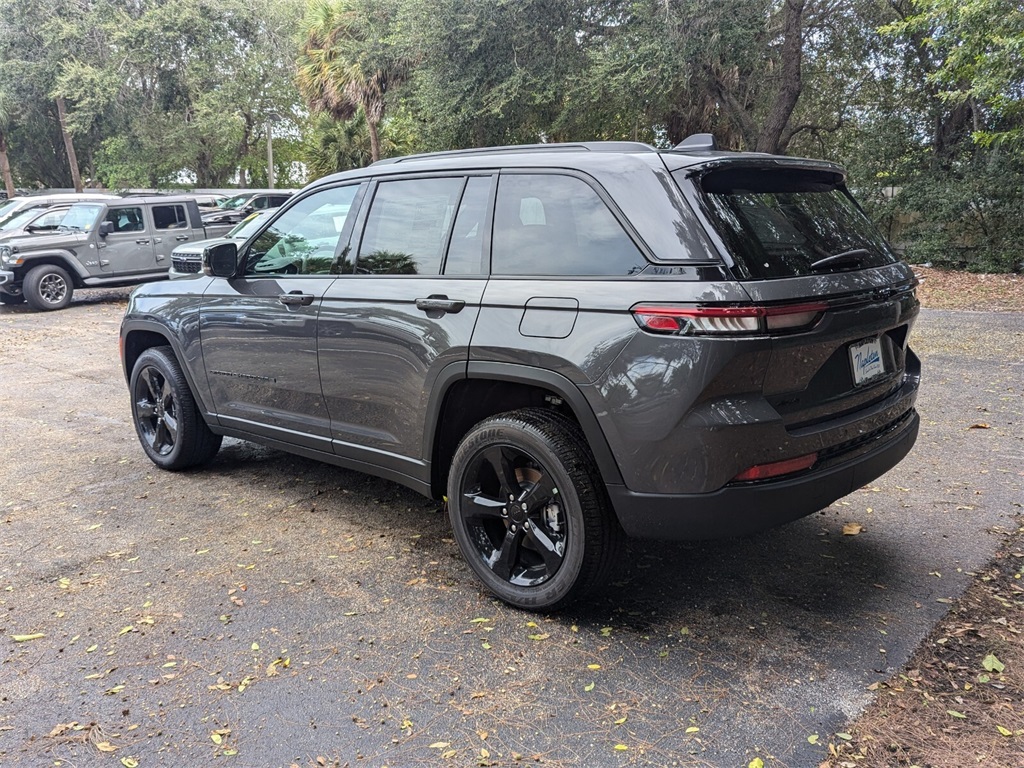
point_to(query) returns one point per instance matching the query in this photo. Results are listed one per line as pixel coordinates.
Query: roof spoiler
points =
(698, 142)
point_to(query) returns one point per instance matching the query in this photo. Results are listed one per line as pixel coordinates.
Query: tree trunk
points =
(770, 138)
(69, 145)
(374, 140)
(5, 166)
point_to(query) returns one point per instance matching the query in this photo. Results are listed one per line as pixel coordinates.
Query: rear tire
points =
(168, 422)
(530, 511)
(48, 287)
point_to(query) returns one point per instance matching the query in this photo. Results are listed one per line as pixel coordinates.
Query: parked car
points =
(34, 221)
(208, 201)
(568, 342)
(123, 241)
(234, 209)
(15, 205)
(186, 259)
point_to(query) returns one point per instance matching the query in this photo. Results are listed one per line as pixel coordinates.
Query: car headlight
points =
(6, 254)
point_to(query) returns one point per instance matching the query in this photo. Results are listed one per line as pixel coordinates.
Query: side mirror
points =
(220, 260)
(248, 209)
(106, 227)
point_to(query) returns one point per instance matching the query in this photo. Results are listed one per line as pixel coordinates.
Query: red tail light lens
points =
(776, 468)
(727, 321)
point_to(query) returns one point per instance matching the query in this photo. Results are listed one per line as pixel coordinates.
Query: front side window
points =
(305, 239)
(31, 216)
(48, 222)
(169, 217)
(407, 226)
(126, 219)
(550, 224)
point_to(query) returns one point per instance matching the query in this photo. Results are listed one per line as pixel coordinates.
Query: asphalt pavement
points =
(272, 611)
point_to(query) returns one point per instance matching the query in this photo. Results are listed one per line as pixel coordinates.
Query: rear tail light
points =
(776, 468)
(727, 321)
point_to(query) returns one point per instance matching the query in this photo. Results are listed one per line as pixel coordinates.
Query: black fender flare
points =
(558, 384)
(58, 257)
(133, 325)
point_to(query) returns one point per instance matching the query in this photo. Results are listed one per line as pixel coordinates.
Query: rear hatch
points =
(793, 235)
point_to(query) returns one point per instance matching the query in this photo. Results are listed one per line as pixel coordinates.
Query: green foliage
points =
(979, 45)
(349, 60)
(920, 99)
(332, 146)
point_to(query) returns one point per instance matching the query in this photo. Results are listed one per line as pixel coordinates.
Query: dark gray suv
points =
(568, 342)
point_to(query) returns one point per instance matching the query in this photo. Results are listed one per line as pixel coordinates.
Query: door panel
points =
(258, 330)
(129, 248)
(386, 333)
(260, 356)
(380, 355)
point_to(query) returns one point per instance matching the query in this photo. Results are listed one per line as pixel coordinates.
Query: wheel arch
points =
(465, 395)
(139, 335)
(61, 259)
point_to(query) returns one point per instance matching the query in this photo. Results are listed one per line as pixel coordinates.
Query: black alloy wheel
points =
(169, 425)
(529, 511)
(156, 411)
(512, 512)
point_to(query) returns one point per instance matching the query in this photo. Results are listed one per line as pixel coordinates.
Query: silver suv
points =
(568, 342)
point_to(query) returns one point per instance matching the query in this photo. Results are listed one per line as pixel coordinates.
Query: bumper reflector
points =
(776, 468)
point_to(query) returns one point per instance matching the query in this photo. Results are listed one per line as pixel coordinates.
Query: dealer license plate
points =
(866, 360)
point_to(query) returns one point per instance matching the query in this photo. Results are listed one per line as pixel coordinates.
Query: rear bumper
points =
(746, 508)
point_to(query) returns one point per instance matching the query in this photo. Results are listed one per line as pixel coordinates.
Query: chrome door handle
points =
(181, 238)
(296, 299)
(441, 304)
(142, 242)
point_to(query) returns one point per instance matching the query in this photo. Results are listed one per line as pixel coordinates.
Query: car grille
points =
(186, 265)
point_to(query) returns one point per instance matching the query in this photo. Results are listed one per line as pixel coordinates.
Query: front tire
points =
(171, 429)
(48, 287)
(529, 510)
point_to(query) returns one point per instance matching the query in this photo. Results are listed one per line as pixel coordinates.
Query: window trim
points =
(487, 234)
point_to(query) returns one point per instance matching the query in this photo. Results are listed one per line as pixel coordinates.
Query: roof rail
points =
(584, 146)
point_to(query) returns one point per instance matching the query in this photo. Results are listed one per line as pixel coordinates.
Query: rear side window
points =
(550, 224)
(782, 222)
(169, 217)
(407, 226)
(466, 249)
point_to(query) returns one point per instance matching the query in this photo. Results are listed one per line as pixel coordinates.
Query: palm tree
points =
(347, 62)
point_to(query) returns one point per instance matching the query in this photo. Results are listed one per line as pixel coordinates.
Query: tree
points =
(6, 114)
(348, 60)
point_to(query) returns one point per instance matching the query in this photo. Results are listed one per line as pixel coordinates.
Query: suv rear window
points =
(781, 222)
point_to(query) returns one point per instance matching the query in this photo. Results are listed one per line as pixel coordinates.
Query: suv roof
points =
(699, 150)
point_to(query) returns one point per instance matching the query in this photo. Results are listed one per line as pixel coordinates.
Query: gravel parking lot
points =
(271, 611)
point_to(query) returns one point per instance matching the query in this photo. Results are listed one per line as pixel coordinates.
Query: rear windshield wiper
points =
(852, 259)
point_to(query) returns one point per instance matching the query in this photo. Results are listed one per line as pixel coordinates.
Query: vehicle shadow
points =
(804, 571)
